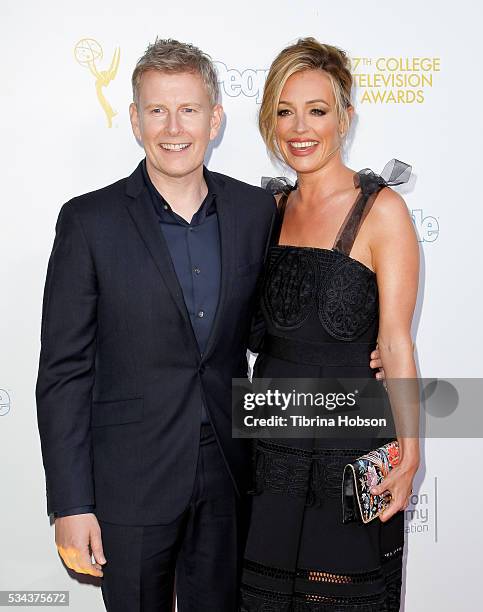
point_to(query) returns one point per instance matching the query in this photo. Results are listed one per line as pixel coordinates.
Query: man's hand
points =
(377, 363)
(76, 537)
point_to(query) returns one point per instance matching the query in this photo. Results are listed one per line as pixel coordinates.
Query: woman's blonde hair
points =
(305, 54)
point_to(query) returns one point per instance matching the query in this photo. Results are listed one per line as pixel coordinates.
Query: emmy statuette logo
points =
(88, 53)
(4, 402)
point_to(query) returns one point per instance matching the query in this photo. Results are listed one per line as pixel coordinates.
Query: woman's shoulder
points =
(389, 209)
(389, 200)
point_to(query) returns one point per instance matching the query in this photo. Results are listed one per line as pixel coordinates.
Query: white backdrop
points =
(57, 144)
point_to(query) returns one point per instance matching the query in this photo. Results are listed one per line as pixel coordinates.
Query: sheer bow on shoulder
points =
(395, 172)
(277, 184)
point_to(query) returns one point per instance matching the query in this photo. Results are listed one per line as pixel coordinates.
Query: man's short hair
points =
(168, 55)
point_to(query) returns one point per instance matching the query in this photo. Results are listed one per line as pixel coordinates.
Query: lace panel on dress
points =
(313, 575)
(349, 302)
(280, 471)
(311, 474)
(255, 599)
(290, 290)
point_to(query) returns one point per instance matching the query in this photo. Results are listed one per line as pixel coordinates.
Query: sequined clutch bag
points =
(359, 477)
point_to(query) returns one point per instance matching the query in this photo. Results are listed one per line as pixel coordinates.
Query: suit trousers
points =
(198, 554)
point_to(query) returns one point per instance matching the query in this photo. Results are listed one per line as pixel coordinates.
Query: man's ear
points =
(216, 120)
(134, 116)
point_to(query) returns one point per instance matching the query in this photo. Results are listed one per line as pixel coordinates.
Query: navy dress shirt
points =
(195, 252)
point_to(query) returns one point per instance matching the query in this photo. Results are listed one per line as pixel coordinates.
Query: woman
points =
(341, 276)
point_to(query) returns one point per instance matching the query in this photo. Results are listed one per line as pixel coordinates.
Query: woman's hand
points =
(399, 482)
(376, 364)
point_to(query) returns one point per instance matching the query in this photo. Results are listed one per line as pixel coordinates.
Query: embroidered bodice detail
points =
(349, 303)
(291, 287)
(342, 290)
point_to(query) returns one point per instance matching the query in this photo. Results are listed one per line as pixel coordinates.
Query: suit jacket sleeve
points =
(72, 511)
(257, 328)
(66, 368)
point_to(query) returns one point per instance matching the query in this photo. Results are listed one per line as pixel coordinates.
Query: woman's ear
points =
(345, 124)
(350, 113)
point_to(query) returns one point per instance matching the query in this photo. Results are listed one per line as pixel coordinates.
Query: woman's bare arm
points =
(395, 256)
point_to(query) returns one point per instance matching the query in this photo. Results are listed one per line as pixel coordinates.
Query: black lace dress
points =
(319, 319)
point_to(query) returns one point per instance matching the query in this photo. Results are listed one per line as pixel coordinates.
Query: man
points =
(147, 306)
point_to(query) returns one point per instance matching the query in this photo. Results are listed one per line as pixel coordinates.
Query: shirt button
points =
(201, 314)
(196, 270)
(165, 207)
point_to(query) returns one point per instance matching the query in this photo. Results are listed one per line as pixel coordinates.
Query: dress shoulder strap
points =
(370, 184)
(282, 204)
(278, 185)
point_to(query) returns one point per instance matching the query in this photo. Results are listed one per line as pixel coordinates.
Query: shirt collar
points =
(167, 214)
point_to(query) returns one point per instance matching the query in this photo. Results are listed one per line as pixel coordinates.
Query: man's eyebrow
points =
(159, 104)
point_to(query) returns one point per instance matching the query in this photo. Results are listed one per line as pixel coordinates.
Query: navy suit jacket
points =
(120, 373)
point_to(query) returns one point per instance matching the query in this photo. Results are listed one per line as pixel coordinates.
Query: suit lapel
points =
(141, 210)
(226, 223)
